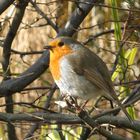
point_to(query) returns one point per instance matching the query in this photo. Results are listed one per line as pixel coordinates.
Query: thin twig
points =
(54, 26)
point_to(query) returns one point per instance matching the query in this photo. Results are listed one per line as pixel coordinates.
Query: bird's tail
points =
(124, 110)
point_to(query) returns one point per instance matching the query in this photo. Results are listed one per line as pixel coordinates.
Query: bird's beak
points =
(48, 48)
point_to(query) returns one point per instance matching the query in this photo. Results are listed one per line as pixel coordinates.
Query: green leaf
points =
(127, 53)
(116, 72)
(132, 56)
(54, 135)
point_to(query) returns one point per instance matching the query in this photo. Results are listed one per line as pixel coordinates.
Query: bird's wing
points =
(95, 78)
(90, 66)
(93, 69)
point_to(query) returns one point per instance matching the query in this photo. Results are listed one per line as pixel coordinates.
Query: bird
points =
(79, 72)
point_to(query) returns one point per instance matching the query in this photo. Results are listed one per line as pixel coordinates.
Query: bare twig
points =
(46, 106)
(92, 37)
(44, 16)
(26, 53)
(134, 82)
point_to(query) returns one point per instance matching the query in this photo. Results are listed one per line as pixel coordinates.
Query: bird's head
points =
(62, 46)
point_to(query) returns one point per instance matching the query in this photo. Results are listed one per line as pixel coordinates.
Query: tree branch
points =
(11, 35)
(119, 122)
(20, 9)
(56, 118)
(111, 136)
(77, 18)
(14, 85)
(51, 118)
(4, 4)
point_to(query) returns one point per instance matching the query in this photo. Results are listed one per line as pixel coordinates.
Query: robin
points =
(79, 72)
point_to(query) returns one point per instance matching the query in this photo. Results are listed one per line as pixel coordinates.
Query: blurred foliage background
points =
(111, 29)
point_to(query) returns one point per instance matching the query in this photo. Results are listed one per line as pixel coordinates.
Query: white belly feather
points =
(74, 84)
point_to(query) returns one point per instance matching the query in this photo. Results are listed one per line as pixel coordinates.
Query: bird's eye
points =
(60, 44)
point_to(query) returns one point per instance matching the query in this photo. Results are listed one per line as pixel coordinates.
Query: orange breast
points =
(55, 69)
(55, 58)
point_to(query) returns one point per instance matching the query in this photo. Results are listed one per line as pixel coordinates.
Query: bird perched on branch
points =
(79, 72)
